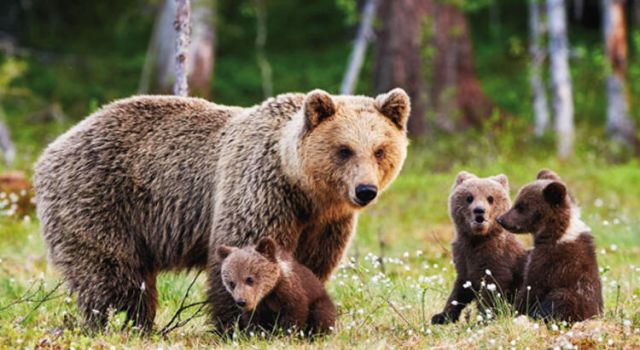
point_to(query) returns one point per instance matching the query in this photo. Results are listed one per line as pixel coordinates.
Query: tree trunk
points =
(359, 48)
(456, 95)
(540, 105)
(202, 48)
(261, 41)
(578, 9)
(159, 70)
(398, 57)
(562, 92)
(620, 126)
(6, 146)
(410, 28)
(183, 35)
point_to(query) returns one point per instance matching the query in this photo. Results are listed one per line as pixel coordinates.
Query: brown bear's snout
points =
(365, 194)
(241, 303)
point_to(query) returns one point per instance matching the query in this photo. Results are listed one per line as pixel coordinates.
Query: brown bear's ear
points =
(463, 176)
(224, 251)
(267, 247)
(396, 106)
(318, 106)
(502, 179)
(546, 174)
(555, 193)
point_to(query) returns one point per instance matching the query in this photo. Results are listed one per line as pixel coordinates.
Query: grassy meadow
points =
(397, 274)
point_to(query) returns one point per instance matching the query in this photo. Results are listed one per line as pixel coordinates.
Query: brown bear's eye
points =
(379, 153)
(469, 199)
(345, 152)
(490, 199)
(232, 285)
(519, 208)
(249, 281)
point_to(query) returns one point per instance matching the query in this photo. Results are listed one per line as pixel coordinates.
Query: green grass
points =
(384, 305)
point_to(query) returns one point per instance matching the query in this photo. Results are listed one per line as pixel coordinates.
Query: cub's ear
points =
(318, 107)
(555, 193)
(396, 106)
(546, 174)
(224, 251)
(502, 179)
(267, 247)
(463, 176)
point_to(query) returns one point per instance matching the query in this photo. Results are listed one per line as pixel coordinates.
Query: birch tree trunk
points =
(365, 33)
(182, 26)
(620, 126)
(261, 42)
(159, 70)
(6, 146)
(540, 105)
(560, 76)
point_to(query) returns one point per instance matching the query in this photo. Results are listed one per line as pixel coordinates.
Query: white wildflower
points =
(466, 284)
(488, 272)
(491, 287)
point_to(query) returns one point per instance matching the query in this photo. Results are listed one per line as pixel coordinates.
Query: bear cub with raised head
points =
(562, 270)
(274, 291)
(481, 245)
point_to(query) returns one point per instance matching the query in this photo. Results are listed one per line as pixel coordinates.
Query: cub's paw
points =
(440, 318)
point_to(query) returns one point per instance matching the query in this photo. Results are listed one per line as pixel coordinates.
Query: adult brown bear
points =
(156, 183)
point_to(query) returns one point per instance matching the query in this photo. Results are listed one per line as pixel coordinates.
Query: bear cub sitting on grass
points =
(561, 276)
(488, 260)
(274, 291)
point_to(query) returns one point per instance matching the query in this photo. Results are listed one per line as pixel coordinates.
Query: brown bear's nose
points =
(478, 210)
(241, 302)
(366, 193)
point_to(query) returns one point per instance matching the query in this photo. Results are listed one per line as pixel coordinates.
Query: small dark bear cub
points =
(562, 280)
(481, 246)
(274, 291)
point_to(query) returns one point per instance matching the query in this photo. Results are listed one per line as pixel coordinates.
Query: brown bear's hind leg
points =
(105, 285)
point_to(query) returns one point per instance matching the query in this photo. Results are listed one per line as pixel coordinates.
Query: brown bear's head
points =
(250, 273)
(350, 148)
(544, 208)
(475, 203)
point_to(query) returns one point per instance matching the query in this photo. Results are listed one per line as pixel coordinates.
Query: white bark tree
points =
(159, 69)
(365, 34)
(6, 146)
(620, 126)
(540, 104)
(182, 26)
(560, 76)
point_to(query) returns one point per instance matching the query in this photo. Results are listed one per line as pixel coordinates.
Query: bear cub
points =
(481, 246)
(274, 291)
(562, 270)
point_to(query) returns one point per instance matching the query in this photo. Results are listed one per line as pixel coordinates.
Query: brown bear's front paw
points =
(440, 318)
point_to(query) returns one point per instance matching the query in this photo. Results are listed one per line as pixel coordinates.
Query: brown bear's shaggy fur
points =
(481, 244)
(562, 270)
(156, 183)
(275, 291)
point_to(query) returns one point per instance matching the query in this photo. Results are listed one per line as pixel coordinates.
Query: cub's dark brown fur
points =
(275, 291)
(481, 244)
(562, 270)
